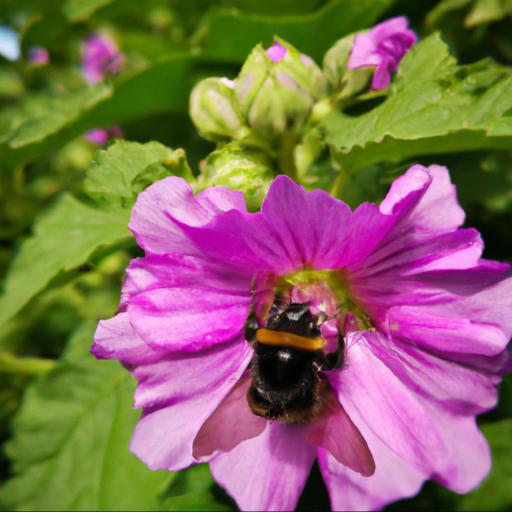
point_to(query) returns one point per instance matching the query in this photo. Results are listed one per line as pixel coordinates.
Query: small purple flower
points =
(38, 55)
(100, 136)
(100, 57)
(425, 323)
(383, 47)
(276, 52)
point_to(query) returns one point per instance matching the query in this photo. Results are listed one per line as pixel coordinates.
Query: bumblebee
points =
(289, 354)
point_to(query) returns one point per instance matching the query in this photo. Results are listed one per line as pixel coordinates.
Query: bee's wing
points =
(336, 432)
(230, 424)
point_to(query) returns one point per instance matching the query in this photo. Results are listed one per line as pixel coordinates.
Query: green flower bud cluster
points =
(271, 96)
(264, 120)
(278, 96)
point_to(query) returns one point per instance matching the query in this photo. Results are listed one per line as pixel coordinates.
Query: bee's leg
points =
(335, 359)
(251, 327)
(251, 324)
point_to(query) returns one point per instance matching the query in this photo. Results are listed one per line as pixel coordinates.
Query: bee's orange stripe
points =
(287, 339)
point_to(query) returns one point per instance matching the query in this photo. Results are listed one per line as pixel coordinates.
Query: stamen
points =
(269, 337)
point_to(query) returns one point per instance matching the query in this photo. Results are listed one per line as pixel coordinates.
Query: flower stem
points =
(10, 363)
(287, 155)
(354, 100)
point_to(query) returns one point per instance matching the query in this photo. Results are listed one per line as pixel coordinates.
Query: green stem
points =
(10, 363)
(287, 155)
(354, 100)
(340, 181)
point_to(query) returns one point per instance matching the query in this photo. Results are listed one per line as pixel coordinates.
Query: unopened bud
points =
(240, 168)
(213, 110)
(344, 82)
(277, 88)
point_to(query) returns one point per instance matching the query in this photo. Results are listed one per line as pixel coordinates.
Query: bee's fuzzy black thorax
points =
(286, 381)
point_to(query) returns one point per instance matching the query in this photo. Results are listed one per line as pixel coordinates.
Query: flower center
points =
(297, 334)
(327, 292)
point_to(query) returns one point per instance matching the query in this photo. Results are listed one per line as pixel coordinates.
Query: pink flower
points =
(38, 55)
(276, 52)
(100, 136)
(100, 57)
(425, 322)
(383, 47)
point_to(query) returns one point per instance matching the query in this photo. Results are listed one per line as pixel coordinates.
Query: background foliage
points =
(65, 418)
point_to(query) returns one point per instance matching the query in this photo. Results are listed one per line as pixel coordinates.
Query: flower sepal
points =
(214, 111)
(344, 82)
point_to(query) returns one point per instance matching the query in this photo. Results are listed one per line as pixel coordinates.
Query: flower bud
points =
(100, 57)
(277, 88)
(344, 82)
(382, 48)
(213, 110)
(239, 168)
(38, 56)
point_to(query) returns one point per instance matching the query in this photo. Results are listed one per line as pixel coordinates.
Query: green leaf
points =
(80, 10)
(11, 84)
(193, 480)
(70, 449)
(65, 236)
(496, 491)
(193, 502)
(47, 114)
(229, 35)
(443, 8)
(277, 7)
(52, 121)
(126, 168)
(433, 107)
(486, 11)
(191, 489)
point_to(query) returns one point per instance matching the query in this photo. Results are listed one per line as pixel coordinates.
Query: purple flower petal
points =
(457, 387)
(184, 303)
(166, 205)
(383, 47)
(467, 446)
(38, 55)
(276, 52)
(100, 57)
(165, 435)
(366, 387)
(445, 333)
(436, 209)
(290, 232)
(422, 238)
(155, 272)
(115, 132)
(490, 304)
(267, 472)
(394, 478)
(156, 387)
(97, 136)
(116, 339)
(100, 136)
(188, 318)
